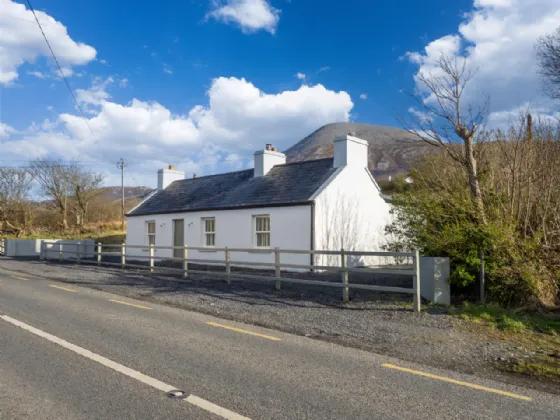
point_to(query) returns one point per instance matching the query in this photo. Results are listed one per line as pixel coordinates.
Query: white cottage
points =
(329, 203)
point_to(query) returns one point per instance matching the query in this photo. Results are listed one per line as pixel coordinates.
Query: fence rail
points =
(57, 251)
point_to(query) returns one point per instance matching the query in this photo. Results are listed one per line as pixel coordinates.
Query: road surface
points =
(68, 352)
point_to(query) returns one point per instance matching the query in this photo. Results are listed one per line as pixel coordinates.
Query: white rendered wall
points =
(290, 229)
(350, 214)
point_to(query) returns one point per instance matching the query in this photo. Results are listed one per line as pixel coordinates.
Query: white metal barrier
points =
(57, 251)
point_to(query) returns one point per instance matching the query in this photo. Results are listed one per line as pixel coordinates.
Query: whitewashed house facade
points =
(318, 204)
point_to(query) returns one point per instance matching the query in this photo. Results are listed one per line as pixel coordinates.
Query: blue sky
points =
(204, 83)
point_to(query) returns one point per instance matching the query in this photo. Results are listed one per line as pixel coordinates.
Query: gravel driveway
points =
(376, 322)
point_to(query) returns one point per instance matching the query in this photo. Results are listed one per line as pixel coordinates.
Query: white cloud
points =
(21, 41)
(95, 96)
(250, 15)
(497, 38)
(322, 69)
(6, 131)
(104, 62)
(238, 119)
(421, 116)
(37, 74)
(363, 96)
(300, 76)
(167, 69)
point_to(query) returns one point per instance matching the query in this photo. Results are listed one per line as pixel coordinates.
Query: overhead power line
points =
(64, 77)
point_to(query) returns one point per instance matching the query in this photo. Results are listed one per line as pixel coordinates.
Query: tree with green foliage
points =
(520, 187)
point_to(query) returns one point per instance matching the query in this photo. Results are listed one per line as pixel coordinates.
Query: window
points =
(151, 233)
(262, 231)
(209, 229)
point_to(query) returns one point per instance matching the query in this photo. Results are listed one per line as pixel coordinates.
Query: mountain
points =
(114, 193)
(391, 150)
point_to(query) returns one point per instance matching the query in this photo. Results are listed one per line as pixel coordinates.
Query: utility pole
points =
(121, 165)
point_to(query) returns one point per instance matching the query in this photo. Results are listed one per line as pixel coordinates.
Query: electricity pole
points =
(121, 165)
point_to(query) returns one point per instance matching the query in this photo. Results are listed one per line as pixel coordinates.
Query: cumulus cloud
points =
(363, 96)
(238, 119)
(250, 15)
(6, 131)
(95, 95)
(300, 76)
(21, 41)
(497, 37)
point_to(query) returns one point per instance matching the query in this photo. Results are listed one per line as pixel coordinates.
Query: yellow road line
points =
(268, 337)
(63, 288)
(20, 278)
(453, 381)
(129, 304)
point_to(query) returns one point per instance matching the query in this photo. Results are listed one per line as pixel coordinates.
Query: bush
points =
(438, 216)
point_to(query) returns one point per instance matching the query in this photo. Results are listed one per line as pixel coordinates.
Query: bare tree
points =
(446, 122)
(86, 188)
(54, 178)
(548, 55)
(15, 209)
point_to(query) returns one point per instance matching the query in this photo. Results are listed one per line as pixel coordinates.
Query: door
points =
(178, 237)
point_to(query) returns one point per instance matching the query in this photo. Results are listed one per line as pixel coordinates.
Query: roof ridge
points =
(302, 162)
(209, 176)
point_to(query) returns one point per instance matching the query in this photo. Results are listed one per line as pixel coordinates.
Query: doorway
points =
(178, 237)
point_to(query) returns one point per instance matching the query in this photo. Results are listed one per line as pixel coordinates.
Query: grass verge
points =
(534, 338)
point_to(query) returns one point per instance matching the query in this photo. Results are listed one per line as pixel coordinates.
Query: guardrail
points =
(57, 249)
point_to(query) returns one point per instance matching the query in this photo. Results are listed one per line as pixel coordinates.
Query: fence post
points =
(482, 279)
(416, 281)
(228, 265)
(99, 253)
(151, 258)
(78, 250)
(123, 255)
(185, 262)
(277, 272)
(343, 265)
(60, 251)
(42, 252)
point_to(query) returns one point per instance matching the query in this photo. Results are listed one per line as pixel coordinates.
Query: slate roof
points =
(288, 184)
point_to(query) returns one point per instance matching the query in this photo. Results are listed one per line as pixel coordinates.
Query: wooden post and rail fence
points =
(57, 251)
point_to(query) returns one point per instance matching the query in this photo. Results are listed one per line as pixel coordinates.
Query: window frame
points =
(206, 234)
(256, 232)
(148, 234)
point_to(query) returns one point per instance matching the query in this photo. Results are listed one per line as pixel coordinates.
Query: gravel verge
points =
(377, 322)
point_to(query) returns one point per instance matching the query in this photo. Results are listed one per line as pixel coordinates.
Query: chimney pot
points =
(172, 167)
(268, 146)
(194, 176)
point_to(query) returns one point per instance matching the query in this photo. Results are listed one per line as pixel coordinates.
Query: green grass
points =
(543, 367)
(509, 321)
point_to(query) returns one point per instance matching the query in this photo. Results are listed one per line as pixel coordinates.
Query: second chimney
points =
(266, 159)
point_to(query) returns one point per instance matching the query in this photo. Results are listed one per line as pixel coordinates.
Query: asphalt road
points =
(68, 352)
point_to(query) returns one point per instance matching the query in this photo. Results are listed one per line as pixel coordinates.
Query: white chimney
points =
(350, 151)
(266, 159)
(167, 176)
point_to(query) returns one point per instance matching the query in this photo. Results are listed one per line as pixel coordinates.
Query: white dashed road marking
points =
(154, 383)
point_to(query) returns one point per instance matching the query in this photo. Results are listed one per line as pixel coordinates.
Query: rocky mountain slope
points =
(391, 150)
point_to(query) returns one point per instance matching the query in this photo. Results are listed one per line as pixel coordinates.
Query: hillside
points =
(391, 150)
(114, 193)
